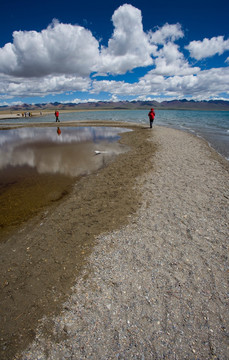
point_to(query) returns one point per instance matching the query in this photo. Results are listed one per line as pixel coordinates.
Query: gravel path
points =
(156, 288)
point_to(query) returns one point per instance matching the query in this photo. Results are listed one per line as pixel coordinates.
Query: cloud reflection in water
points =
(68, 151)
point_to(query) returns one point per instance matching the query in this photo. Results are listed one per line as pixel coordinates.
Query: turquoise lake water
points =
(213, 126)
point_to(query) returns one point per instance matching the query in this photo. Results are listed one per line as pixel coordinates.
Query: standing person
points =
(57, 115)
(151, 117)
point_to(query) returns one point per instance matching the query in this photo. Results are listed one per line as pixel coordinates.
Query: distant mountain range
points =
(126, 105)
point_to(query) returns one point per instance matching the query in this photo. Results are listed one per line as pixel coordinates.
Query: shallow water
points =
(63, 150)
(38, 166)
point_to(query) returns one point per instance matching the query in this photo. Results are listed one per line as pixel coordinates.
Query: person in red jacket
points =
(151, 117)
(57, 116)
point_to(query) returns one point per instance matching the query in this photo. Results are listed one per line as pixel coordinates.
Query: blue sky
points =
(71, 51)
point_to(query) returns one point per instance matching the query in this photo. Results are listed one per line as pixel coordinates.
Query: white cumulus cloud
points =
(208, 47)
(16, 86)
(128, 47)
(171, 61)
(59, 49)
(166, 33)
(204, 84)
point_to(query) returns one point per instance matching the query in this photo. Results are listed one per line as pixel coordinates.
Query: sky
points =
(79, 51)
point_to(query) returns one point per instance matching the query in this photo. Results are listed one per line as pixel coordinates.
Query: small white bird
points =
(97, 152)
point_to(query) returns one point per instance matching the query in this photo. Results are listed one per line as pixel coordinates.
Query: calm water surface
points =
(65, 150)
(38, 166)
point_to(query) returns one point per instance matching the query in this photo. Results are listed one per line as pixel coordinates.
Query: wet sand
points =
(137, 254)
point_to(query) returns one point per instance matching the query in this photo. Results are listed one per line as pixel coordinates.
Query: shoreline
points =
(218, 141)
(5, 115)
(145, 288)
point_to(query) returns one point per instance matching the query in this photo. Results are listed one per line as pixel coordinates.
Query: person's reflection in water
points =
(58, 131)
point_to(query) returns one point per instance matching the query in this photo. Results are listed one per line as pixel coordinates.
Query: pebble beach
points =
(154, 281)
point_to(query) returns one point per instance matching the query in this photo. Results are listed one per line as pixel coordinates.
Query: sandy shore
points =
(149, 279)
